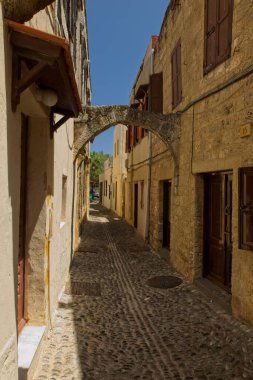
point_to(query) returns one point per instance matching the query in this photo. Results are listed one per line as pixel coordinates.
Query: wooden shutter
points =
(127, 141)
(156, 93)
(210, 34)
(218, 32)
(176, 73)
(135, 134)
(131, 135)
(179, 73)
(139, 133)
(246, 208)
(224, 29)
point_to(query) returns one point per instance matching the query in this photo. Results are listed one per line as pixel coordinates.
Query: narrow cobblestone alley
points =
(120, 328)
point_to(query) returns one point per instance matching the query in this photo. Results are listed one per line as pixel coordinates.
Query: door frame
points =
(166, 242)
(22, 223)
(226, 174)
(136, 204)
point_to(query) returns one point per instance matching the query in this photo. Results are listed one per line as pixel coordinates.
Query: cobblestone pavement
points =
(123, 329)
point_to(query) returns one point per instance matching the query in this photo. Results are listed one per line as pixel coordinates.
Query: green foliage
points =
(97, 165)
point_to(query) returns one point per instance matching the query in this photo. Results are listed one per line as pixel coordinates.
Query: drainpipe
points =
(48, 237)
(149, 164)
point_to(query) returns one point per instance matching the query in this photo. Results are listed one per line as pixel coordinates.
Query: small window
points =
(64, 198)
(176, 75)
(246, 208)
(218, 32)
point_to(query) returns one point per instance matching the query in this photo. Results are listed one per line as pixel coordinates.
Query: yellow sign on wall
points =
(245, 130)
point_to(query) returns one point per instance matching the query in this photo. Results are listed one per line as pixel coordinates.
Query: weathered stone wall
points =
(23, 10)
(95, 120)
(162, 169)
(210, 135)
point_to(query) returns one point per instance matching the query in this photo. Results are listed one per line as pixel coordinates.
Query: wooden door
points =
(101, 192)
(166, 213)
(22, 225)
(136, 205)
(116, 196)
(218, 214)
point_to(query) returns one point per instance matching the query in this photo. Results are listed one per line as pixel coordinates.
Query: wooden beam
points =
(55, 126)
(67, 84)
(30, 77)
(20, 85)
(16, 67)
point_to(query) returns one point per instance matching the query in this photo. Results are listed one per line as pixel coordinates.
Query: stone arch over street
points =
(97, 119)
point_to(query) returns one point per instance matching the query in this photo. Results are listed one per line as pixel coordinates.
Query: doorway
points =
(136, 205)
(166, 213)
(22, 224)
(218, 222)
(116, 195)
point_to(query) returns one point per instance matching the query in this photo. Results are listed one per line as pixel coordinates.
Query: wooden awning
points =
(49, 65)
(140, 93)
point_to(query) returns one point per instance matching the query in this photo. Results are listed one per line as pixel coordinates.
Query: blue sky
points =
(119, 33)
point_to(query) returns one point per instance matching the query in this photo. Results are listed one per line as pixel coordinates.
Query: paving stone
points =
(133, 331)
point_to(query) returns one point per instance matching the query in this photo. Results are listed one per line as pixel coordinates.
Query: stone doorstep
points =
(29, 347)
(215, 294)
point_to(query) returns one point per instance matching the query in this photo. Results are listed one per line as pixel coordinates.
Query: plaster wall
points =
(107, 176)
(137, 173)
(119, 169)
(146, 69)
(60, 245)
(9, 213)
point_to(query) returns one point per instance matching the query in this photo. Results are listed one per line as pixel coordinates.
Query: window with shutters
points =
(246, 208)
(156, 93)
(176, 74)
(131, 135)
(218, 32)
(127, 141)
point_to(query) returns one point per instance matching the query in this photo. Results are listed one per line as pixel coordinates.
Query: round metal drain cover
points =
(164, 282)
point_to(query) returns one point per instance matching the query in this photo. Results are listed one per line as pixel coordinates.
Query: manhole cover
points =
(164, 282)
(77, 288)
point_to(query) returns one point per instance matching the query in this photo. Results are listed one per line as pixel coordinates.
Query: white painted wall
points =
(119, 170)
(9, 213)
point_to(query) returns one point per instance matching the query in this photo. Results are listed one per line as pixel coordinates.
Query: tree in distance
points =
(97, 166)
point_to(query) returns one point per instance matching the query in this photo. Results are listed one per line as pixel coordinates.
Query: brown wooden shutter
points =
(246, 208)
(156, 93)
(127, 141)
(131, 135)
(174, 77)
(210, 34)
(179, 73)
(224, 29)
(176, 73)
(135, 134)
(139, 133)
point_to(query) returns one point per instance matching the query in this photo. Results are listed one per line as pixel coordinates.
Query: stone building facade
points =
(139, 150)
(119, 170)
(44, 84)
(105, 184)
(204, 53)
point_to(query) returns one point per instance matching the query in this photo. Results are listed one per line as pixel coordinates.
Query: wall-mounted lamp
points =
(48, 97)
